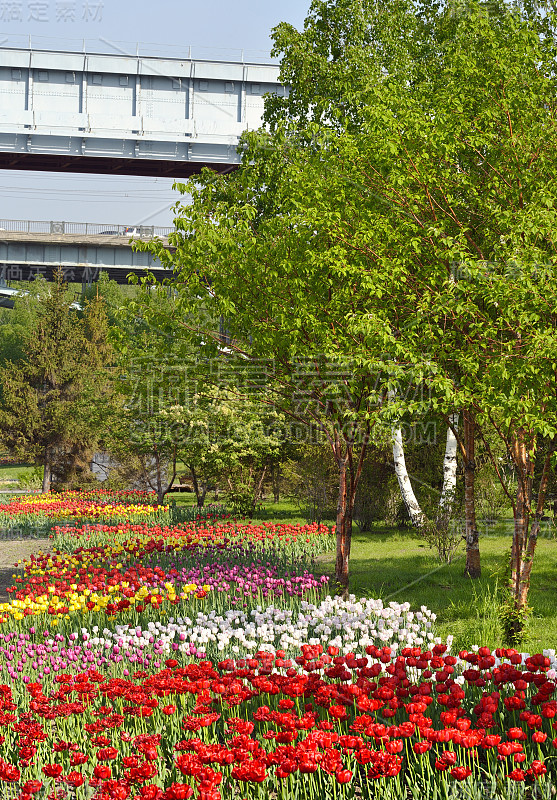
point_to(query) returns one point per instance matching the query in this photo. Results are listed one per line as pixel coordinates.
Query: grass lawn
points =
(285, 511)
(9, 475)
(397, 565)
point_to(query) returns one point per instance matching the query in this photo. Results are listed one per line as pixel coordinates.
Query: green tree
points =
(51, 399)
(283, 293)
(229, 438)
(154, 373)
(446, 150)
(181, 402)
(413, 139)
(311, 478)
(355, 67)
(16, 324)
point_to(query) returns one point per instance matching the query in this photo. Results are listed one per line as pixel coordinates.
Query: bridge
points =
(82, 250)
(127, 114)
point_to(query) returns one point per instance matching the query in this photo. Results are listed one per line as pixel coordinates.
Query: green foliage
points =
(241, 502)
(444, 532)
(424, 186)
(378, 496)
(153, 371)
(113, 295)
(52, 398)
(231, 439)
(17, 324)
(492, 503)
(311, 479)
(180, 402)
(31, 480)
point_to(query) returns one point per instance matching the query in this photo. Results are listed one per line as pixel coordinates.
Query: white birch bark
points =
(410, 500)
(449, 467)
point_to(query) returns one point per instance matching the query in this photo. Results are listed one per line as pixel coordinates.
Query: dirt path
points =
(13, 550)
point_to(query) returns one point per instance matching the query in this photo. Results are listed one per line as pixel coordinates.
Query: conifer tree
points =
(50, 404)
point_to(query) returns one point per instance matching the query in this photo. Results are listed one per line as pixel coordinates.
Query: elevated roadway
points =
(128, 114)
(82, 254)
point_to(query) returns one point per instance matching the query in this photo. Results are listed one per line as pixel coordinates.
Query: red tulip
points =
(343, 776)
(150, 792)
(460, 773)
(102, 772)
(421, 747)
(31, 787)
(107, 754)
(338, 712)
(74, 779)
(52, 770)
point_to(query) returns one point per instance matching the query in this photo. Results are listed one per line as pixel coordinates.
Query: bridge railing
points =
(101, 46)
(82, 228)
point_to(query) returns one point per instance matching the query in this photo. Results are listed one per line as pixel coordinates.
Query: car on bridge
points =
(131, 232)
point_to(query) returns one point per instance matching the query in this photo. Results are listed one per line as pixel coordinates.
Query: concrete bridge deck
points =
(31, 248)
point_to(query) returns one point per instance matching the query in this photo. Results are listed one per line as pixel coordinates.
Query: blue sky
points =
(211, 27)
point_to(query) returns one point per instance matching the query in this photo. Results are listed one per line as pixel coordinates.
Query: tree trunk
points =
(415, 513)
(275, 482)
(446, 499)
(349, 478)
(160, 490)
(522, 506)
(258, 486)
(343, 529)
(524, 538)
(526, 572)
(47, 474)
(473, 564)
(170, 483)
(449, 467)
(199, 494)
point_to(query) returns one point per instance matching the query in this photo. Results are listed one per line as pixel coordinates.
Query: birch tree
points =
(446, 495)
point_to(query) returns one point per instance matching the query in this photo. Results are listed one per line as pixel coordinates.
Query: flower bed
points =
(131, 570)
(207, 660)
(375, 722)
(345, 625)
(37, 513)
